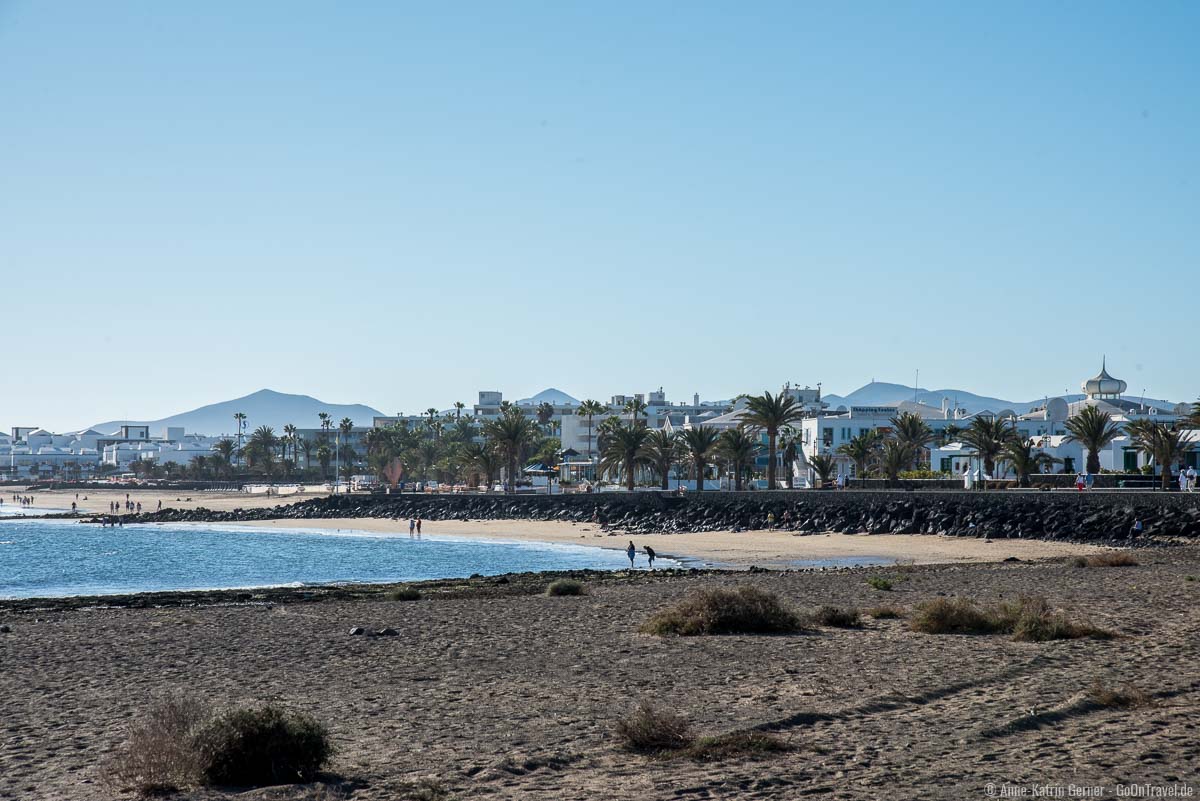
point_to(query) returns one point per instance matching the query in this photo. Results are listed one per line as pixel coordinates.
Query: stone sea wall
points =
(1093, 516)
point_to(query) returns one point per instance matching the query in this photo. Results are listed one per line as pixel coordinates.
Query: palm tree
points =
(1019, 452)
(239, 419)
(739, 446)
(432, 412)
(510, 433)
(481, 459)
(635, 407)
(987, 436)
(589, 409)
(1093, 429)
(458, 409)
(262, 446)
(662, 451)
(225, 449)
(912, 430)
(771, 413)
(789, 450)
(894, 457)
(545, 411)
(623, 452)
(862, 450)
(700, 443)
(825, 466)
(305, 445)
(289, 433)
(324, 457)
(1161, 443)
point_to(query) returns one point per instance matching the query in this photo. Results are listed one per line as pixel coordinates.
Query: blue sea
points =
(44, 558)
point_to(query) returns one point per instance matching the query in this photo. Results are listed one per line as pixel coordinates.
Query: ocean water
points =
(58, 558)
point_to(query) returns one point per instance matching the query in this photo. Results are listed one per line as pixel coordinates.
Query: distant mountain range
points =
(276, 409)
(263, 408)
(879, 393)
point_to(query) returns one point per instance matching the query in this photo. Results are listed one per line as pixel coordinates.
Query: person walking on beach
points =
(72, 507)
(631, 552)
(412, 526)
(418, 526)
(650, 555)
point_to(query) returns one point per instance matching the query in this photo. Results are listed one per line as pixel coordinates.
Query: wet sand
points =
(776, 549)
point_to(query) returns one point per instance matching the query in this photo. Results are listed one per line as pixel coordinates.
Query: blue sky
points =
(400, 204)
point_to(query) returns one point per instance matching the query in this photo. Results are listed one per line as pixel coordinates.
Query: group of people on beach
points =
(21, 500)
(631, 552)
(414, 525)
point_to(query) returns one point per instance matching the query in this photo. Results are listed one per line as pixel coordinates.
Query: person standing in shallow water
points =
(418, 526)
(631, 552)
(650, 555)
(412, 526)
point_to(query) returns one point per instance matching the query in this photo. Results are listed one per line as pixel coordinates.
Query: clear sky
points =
(401, 203)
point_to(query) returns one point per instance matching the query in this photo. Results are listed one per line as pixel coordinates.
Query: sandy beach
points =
(775, 549)
(97, 500)
(516, 695)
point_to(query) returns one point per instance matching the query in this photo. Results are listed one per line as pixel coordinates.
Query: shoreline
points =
(776, 550)
(713, 551)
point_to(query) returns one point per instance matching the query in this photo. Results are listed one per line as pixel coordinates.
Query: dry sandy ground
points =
(724, 548)
(515, 696)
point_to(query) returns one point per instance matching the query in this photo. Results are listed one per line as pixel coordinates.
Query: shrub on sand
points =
(566, 587)
(886, 612)
(159, 756)
(743, 610)
(404, 594)
(1028, 620)
(1126, 696)
(650, 730)
(736, 745)
(253, 747)
(1032, 620)
(179, 743)
(951, 616)
(837, 617)
(1107, 559)
(879, 583)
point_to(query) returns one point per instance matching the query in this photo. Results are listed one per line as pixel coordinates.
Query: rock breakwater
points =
(1090, 517)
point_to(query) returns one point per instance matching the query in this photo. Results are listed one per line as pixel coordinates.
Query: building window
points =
(945, 464)
(827, 437)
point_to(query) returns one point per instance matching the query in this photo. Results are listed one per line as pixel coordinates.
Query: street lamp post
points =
(337, 463)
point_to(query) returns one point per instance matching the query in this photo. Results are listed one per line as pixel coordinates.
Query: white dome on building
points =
(1103, 385)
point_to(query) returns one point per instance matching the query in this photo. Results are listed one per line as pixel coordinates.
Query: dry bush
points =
(744, 610)
(1107, 559)
(837, 617)
(886, 612)
(951, 616)
(736, 745)
(404, 594)
(1127, 696)
(257, 746)
(1033, 620)
(1029, 620)
(159, 757)
(654, 731)
(566, 587)
(879, 583)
